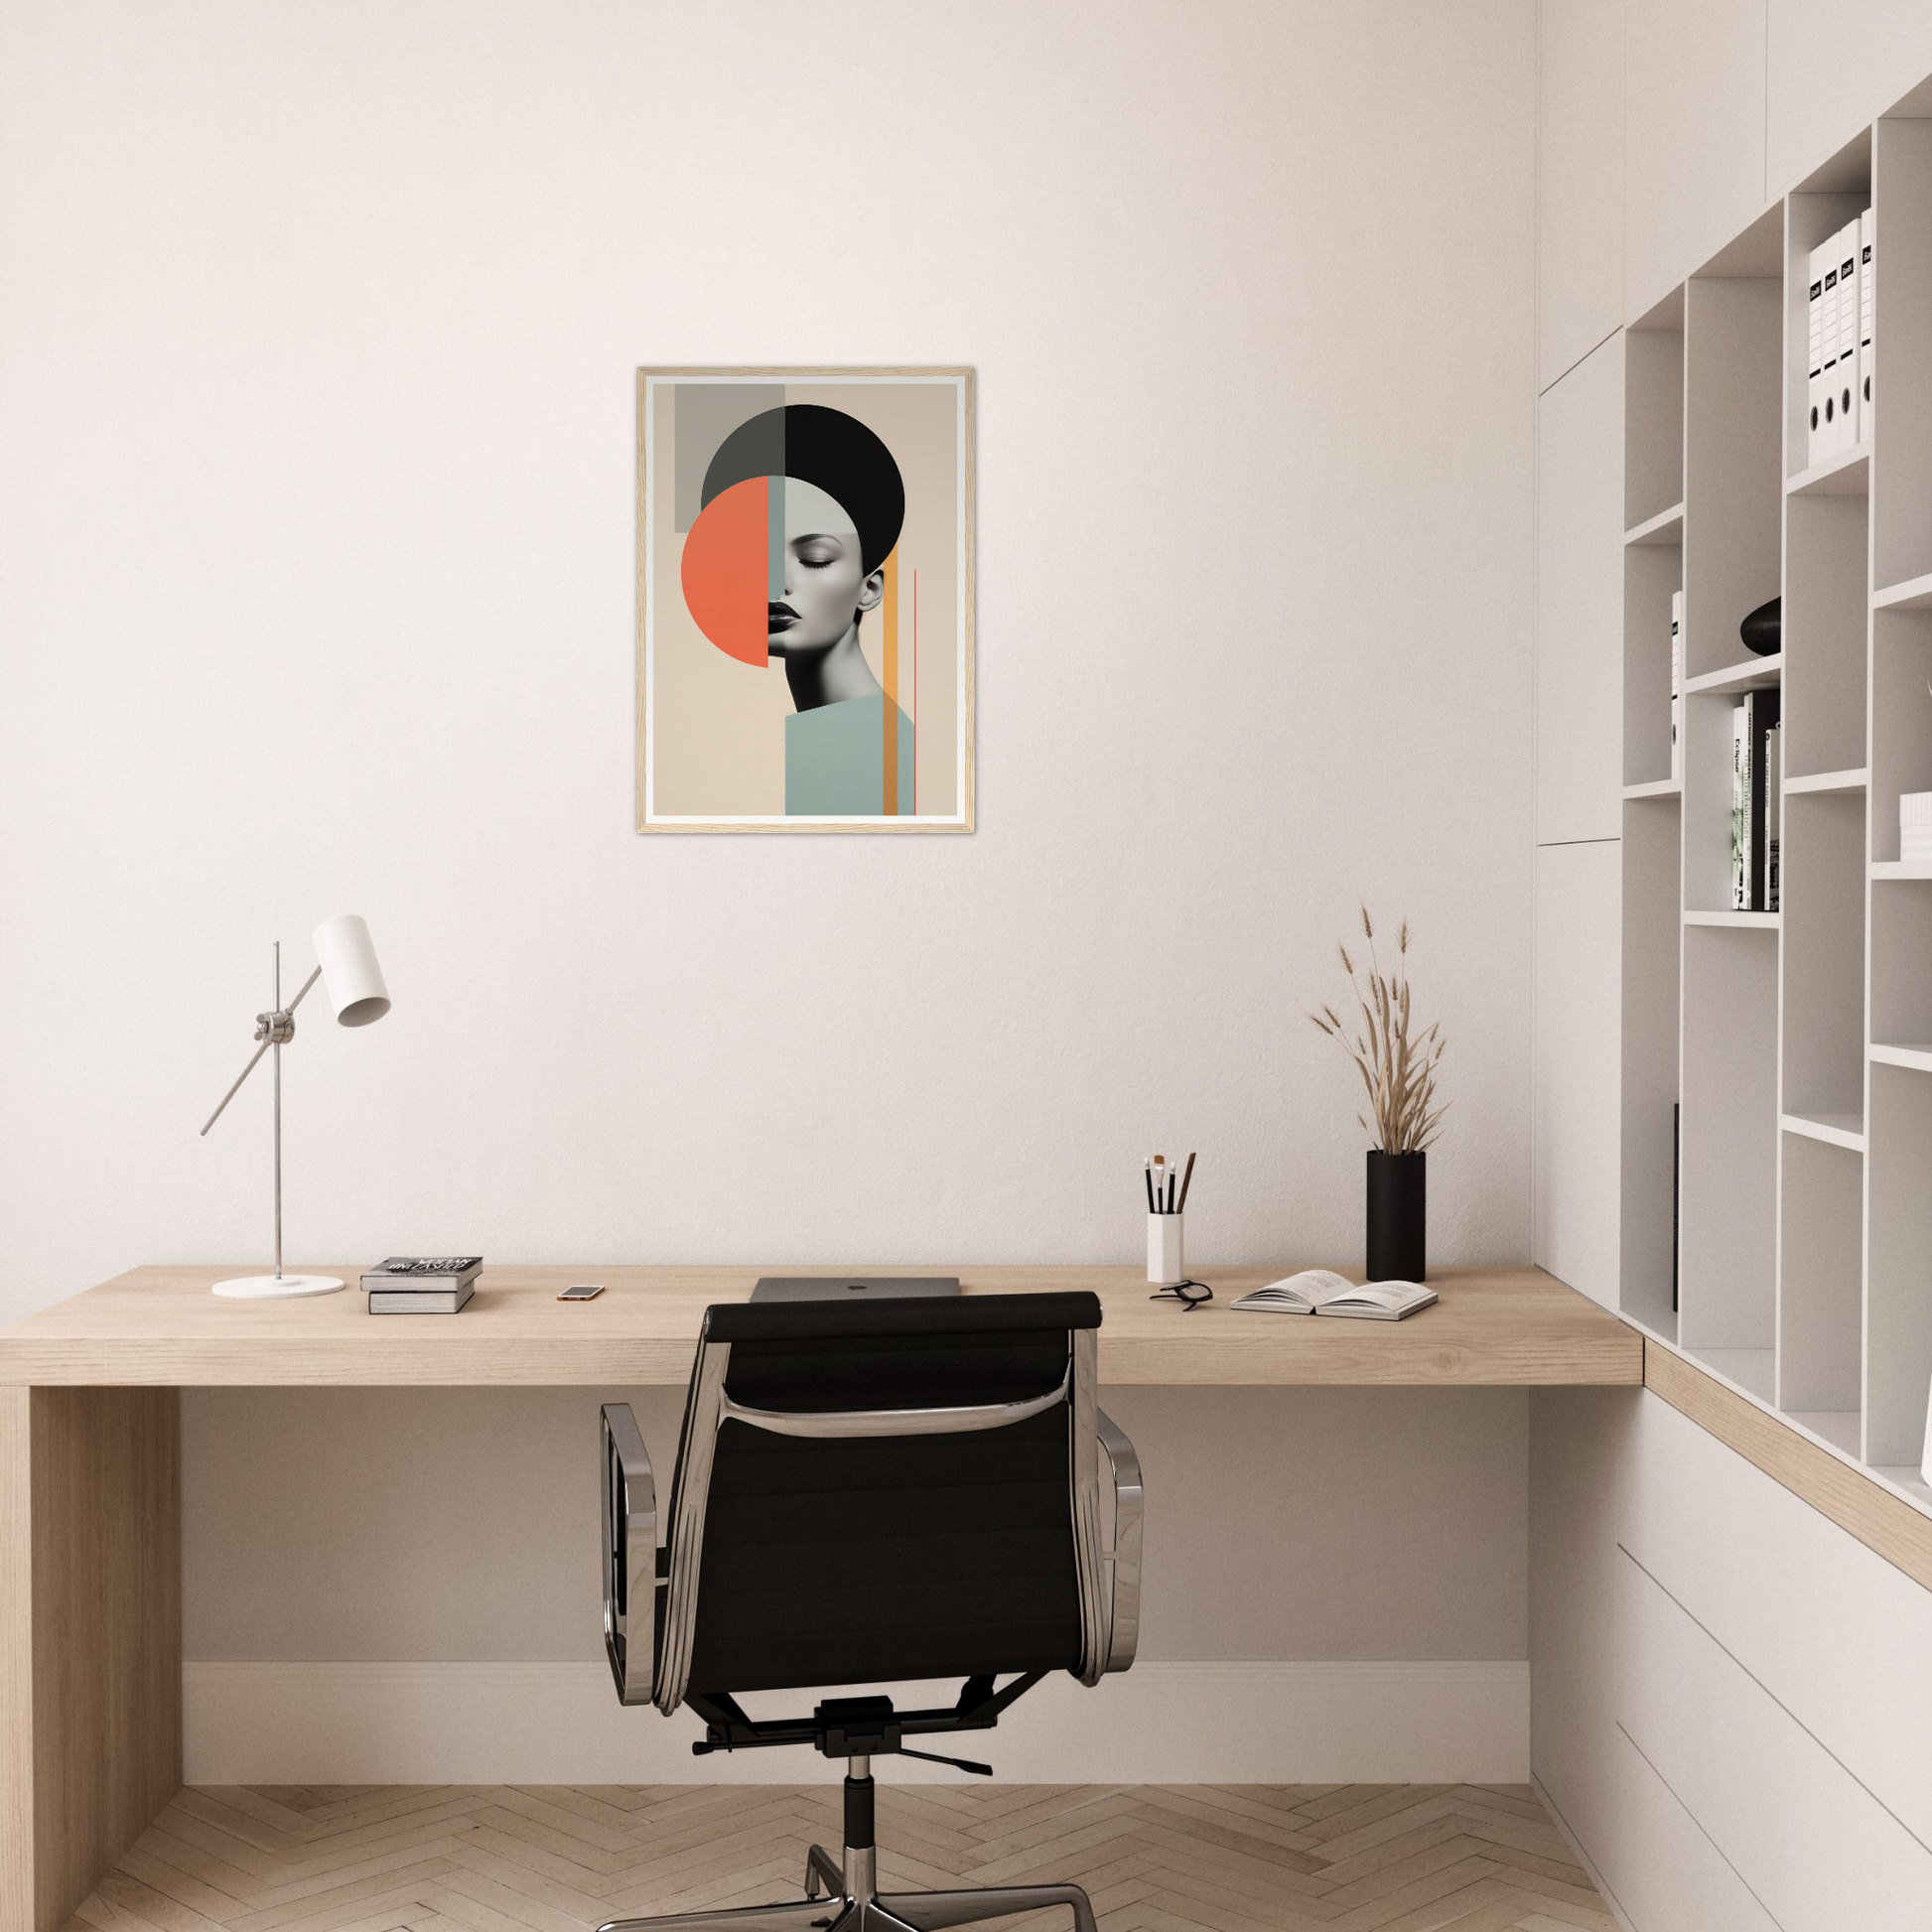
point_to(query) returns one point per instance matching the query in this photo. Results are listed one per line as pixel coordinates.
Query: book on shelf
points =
(1846, 393)
(1676, 1193)
(1760, 719)
(1741, 812)
(1773, 807)
(1320, 1290)
(423, 1274)
(1677, 687)
(1867, 300)
(1815, 357)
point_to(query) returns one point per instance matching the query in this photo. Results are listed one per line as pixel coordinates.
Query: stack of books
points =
(422, 1284)
(1755, 831)
(1839, 328)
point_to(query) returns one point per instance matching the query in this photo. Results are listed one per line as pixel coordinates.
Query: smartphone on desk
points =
(582, 1291)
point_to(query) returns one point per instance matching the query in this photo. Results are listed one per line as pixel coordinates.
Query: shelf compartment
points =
(1898, 1299)
(1728, 1238)
(1835, 1129)
(1901, 463)
(1915, 594)
(1846, 475)
(1736, 922)
(1825, 782)
(1653, 939)
(1823, 922)
(1653, 414)
(1821, 1257)
(1901, 964)
(1901, 719)
(1826, 576)
(1650, 576)
(1664, 531)
(1753, 675)
(1751, 1369)
(1843, 1429)
(1734, 471)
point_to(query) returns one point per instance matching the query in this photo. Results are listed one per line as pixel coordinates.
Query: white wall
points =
(318, 326)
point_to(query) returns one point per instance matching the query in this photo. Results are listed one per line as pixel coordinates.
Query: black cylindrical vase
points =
(1398, 1216)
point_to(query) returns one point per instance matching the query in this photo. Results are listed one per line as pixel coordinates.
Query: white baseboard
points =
(561, 1723)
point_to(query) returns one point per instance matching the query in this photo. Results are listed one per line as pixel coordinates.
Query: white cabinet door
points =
(1574, 1111)
(1579, 601)
(1692, 137)
(1815, 1846)
(1578, 180)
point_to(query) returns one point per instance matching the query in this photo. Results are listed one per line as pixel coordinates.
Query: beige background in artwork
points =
(716, 726)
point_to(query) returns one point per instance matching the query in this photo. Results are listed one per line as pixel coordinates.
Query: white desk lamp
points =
(345, 965)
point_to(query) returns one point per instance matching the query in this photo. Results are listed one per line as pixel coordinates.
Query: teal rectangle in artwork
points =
(835, 757)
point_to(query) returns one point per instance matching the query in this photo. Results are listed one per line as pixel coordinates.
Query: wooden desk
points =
(161, 1327)
(90, 1461)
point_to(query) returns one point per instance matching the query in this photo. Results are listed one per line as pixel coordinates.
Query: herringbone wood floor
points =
(561, 1857)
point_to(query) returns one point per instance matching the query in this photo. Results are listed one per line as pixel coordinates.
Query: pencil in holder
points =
(1165, 1263)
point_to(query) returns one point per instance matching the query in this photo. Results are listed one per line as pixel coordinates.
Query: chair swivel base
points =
(849, 1904)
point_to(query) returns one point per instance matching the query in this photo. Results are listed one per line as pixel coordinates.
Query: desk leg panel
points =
(89, 1637)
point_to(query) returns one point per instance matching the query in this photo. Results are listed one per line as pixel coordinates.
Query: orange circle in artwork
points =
(725, 571)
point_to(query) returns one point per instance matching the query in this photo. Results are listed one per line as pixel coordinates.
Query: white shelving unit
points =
(1797, 1044)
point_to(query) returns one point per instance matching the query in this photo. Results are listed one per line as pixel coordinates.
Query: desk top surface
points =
(160, 1326)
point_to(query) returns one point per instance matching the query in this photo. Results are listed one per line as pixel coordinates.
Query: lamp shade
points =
(349, 975)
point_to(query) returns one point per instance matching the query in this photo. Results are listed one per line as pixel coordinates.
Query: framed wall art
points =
(805, 600)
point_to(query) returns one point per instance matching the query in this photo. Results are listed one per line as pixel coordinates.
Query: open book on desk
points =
(1320, 1290)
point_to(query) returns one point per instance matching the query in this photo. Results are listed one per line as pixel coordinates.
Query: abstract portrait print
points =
(804, 658)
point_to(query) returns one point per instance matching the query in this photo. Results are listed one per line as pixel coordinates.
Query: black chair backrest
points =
(862, 1558)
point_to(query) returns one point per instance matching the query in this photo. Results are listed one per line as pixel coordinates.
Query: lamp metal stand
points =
(274, 1030)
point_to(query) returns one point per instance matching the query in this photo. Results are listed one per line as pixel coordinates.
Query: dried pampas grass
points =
(1398, 1071)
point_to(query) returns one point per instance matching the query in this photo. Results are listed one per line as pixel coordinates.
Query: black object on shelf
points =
(1398, 1216)
(1675, 1193)
(1764, 630)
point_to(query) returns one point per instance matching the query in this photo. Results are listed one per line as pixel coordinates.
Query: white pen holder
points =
(1164, 1265)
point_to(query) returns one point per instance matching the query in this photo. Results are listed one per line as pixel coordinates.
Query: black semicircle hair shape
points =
(825, 446)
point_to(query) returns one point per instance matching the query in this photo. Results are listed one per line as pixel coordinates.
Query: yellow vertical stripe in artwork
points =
(888, 710)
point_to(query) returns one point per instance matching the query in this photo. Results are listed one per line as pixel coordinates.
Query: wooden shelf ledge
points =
(1656, 788)
(1860, 1498)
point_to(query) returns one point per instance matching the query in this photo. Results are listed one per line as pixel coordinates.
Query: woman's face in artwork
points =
(826, 582)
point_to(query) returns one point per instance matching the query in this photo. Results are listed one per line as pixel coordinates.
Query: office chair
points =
(865, 1494)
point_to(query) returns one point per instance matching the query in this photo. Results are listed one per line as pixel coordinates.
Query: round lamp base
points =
(276, 1287)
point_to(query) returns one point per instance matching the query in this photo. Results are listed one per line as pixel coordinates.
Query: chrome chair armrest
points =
(629, 1555)
(1124, 1559)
